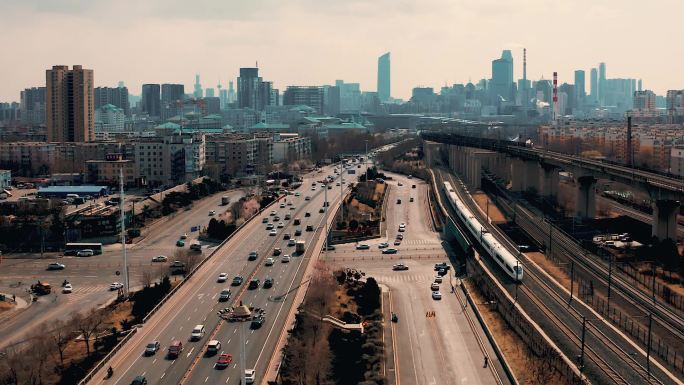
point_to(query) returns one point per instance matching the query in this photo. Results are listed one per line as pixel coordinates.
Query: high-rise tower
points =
(384, 79)
(70, 104)
(602, 84)
(198, 87)
(580, 90)
(593, 82)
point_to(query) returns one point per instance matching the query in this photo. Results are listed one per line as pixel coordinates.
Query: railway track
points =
(666, 323)
(599, 347)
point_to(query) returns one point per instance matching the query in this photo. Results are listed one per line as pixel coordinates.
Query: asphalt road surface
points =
(197, 302)
(91, 276)
(439, 349)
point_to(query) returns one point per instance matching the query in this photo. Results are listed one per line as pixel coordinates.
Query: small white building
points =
(109, 118)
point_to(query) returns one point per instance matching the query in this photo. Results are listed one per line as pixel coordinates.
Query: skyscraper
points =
(308, 96)
(384, 78)
(502, 77)
(151, 101)
(580, 90)
(594, 86)
(70, 104)
(209, 92)
(117, 96)
(231, 92)
(33, 105)
(172, 93)
(198, 87)
(602, 84)
(248, 88)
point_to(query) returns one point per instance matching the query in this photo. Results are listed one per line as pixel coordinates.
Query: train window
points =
(509, 268)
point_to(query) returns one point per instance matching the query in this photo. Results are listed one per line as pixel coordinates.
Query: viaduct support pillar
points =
(665, 219)
(518, 175)
(532, 175)
(548, 183)
(586, 198)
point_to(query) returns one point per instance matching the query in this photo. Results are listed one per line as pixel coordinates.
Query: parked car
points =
(212, 213)
(436, 295)
(184, 236)
(434, 286)
(85, 253)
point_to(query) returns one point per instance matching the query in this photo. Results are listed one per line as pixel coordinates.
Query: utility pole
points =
(610, 276)
(572, 280)
(365, 161)
(648, 348)
(123, 231)
(325, 216)
(550, 239)
(584, 329)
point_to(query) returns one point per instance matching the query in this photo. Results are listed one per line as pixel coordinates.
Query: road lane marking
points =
(206, 379)
(162, 376)
(190, 352)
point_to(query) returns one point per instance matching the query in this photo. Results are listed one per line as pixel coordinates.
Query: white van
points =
(197, 333)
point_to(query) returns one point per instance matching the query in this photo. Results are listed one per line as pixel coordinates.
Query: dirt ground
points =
(526, 367)
(5, 306)
(550, 267)
(494, 214)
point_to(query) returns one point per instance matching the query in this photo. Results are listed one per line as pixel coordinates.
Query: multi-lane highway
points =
(197, 302)
(441, 349)
(91, 276)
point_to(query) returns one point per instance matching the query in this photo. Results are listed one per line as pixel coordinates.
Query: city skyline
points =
(225, 33)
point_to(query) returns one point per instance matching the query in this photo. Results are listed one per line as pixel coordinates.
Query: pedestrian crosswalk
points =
(421, 242)
(404, 277)
(83, 291)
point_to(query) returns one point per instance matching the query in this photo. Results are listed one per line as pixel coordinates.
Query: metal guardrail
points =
(118, 346)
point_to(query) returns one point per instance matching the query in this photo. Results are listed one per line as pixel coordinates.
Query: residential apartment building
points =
(117, 96)
(290, 147)
(170, 158)
(70, 104)
(33, 106)
(109, 118)
(308, 96)
(108, 171)
(677, 160)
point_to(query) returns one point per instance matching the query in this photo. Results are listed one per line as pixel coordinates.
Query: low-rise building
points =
(108, 171)
(290, 147)
(5, 179)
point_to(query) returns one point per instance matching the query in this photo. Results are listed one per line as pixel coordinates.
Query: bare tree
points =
(89, 325)
(60, 336)
(148, 277)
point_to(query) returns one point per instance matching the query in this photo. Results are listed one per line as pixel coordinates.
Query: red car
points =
(224, 360)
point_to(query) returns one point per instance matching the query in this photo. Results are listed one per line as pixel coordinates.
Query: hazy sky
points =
(314, 42)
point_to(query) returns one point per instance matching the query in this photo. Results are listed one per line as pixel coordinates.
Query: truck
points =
(225, 200)
(41, 288)
(300, 247)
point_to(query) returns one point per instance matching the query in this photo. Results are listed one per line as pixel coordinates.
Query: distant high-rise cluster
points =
(253, 92)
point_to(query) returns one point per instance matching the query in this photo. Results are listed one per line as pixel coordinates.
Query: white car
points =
(313, 188)
(438, 279)
(291, 242)
(116, 286)
(281, 225)
(212, 213)
(273, 233)
(67, 288)
(383, 245)
(285, 259)
(85, 253)
(269, 261)
(436, 295)
(223, 277)
(434, 286)
(272, 213)
(160, 258)
(184, 236)
(56, 266)
(250, 376)
(282, 205)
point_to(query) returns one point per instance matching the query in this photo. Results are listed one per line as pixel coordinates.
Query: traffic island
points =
(327, 344)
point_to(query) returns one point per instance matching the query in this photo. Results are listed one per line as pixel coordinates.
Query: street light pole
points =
(123, 231)
(572, 280)
(648, 348)
(610, 276)
(584, 329)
